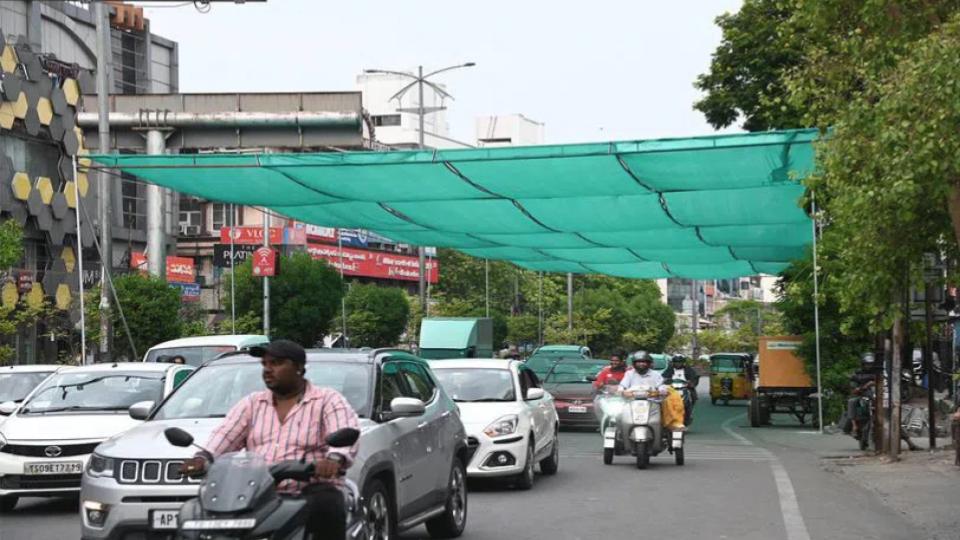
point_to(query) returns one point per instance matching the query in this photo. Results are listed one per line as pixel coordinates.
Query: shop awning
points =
(703, 207)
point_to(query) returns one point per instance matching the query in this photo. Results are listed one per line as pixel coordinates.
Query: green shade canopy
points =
(704, 207)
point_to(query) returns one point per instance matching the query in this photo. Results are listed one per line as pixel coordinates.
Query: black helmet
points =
(641, 356)
(678, 359)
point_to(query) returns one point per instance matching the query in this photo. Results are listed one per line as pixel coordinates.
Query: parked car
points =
(569, 380)
(45, 444)
(16, 383)
(199, 349)
(410, 467)
(541, 363)
(563, 350)
(510, 420)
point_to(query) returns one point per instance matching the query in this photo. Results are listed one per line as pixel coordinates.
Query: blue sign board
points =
(188, 290)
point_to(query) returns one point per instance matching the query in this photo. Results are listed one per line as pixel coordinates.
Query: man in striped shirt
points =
(290, 421)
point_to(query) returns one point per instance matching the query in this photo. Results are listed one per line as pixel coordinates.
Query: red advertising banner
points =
(374, 264)
(180, 270)
(138, 261)
(250, 235)
(264, 262)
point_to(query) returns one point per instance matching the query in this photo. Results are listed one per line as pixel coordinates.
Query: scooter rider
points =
(611, 375)
(290, 421)
(679, 370)
(641, 375)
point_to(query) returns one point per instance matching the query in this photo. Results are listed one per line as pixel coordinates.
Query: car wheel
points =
(643, 456)
(378, 513)
(8, 503)
(451, 523)
(525, 480)
(551, 464)
(608, 456)
(754, 412)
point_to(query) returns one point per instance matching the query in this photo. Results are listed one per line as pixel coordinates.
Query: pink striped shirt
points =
(253, 424)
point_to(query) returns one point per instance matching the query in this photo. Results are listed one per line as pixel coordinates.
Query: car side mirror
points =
(534, 394)
(140, 410)
(7, 408)
(403, 407)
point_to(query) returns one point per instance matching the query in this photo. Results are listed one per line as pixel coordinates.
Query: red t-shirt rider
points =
(612, 374)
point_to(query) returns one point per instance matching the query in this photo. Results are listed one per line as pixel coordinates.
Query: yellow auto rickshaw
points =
(731, 377)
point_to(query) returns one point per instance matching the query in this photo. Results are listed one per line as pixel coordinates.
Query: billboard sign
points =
(180, 270)
(241, 252)
(373, 264)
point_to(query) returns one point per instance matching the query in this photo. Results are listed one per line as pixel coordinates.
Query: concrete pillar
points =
(156, 246)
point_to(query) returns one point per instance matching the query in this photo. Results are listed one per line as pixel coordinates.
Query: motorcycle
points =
(636, 430)
(238, 497)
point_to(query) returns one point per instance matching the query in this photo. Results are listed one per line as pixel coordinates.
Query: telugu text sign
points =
(374, 264)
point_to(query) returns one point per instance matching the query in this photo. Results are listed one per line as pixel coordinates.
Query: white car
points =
(16, 383)
(46, 442)
(197, 350)
(510, 420)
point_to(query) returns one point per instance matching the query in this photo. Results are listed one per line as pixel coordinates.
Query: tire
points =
(754, 412)
(763, 412)
(453, 520)
(608, 456)
(378, 517)
(551, 464)
(678, 456)
(8, 503)
(643, 456)
(713, 401)
(525, 479)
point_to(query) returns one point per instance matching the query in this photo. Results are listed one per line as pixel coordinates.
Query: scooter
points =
(638, 431)
(238, 497)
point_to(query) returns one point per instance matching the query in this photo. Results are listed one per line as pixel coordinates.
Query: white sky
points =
(594, 70)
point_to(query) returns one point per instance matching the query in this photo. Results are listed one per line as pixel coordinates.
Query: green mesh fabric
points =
(702, 207)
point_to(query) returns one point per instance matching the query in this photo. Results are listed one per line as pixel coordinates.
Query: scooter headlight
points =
(612, 407)
(640, 410)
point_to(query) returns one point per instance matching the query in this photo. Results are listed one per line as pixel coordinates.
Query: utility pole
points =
(486, 285)
(266, 280)
(928, 362)
(540, 309)
(570, 302)
(695, 319)
(895, 373)
(106, 180)
(420, 80)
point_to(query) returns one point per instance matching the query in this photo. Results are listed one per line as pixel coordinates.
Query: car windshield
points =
(16, 386)
(567, 372)
(726, 364)
(215, 388)
(94, 391)
(194, 356)
(541, 363)
(477, 384)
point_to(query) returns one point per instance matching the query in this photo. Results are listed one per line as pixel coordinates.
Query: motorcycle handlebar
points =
(292, 470)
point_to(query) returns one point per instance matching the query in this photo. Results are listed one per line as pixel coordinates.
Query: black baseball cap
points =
(281, 348)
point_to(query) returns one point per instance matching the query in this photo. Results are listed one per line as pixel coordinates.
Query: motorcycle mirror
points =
(343, 437)
(178, 437)
(592, 378)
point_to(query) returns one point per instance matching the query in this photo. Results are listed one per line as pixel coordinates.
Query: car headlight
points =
(504, 425)
(640, 411)
(100, 467)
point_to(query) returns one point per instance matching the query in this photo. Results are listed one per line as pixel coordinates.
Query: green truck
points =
(456, 337)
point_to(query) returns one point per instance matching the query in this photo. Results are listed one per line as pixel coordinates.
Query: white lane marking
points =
(789, 508)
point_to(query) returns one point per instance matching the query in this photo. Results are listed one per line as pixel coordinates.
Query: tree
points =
(746, 78)
(151, 308)
(376, 316)
(304, 298)
(11, 244)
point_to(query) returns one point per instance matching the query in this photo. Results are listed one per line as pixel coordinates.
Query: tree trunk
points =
(953, 204)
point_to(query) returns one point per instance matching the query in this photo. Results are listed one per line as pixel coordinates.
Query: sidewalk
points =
(924, 486)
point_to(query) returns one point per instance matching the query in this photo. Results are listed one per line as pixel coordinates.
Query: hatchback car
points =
(16, 383)
(410, 467)
(570, 382)
(511, 422)
(45, 444)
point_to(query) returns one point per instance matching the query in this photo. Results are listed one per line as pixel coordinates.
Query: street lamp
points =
(419, 80)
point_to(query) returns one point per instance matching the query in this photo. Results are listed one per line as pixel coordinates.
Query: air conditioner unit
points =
(189, 230)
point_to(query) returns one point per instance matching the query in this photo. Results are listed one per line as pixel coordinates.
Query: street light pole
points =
(420, 80)
(106, 181)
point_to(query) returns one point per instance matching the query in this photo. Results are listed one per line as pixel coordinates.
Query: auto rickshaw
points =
(731, 377)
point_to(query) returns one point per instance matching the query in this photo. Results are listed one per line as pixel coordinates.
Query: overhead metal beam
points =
(155, 118)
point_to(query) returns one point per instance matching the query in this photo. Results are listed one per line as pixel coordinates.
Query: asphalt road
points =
(737, 483)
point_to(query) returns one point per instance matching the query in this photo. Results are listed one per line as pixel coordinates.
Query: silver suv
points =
(410, 467)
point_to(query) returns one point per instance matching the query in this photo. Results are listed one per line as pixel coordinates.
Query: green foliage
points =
(11, 243)
(152, 310)
(16, 318)
(304, 298)
(746, 77)
(246, 323)
(376, 316)
(744, 322)
(194, 320)
(523, 328)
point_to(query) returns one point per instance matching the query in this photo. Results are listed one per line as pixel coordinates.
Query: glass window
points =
(392, 384)
(215, 388)
(418, 382)
(476, 385)
(195, 356)
(95, 391)
(386, 120)
(573, 372)
(16, 386)
(133, 204)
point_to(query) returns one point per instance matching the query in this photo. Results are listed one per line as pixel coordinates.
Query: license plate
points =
(164, 519)
(57, 467)
(578, 409)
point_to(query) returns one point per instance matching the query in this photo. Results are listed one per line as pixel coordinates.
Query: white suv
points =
(45, 444)
(510, 420)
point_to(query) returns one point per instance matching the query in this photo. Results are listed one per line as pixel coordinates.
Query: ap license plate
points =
(58, 467)
(164, 519)
(578, 409)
